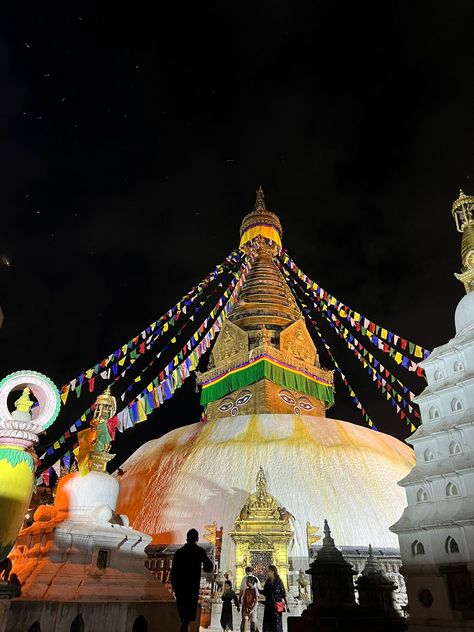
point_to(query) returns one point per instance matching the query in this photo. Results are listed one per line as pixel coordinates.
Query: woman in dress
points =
(275, 602)
(228, 596)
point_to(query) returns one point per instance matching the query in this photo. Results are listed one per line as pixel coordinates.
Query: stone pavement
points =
(296, 609)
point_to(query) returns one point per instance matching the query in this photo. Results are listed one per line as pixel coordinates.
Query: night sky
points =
(132, 144)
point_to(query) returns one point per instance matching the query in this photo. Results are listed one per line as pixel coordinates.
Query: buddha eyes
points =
(243, 398)
(226, 405)
(305, 404)
(297, 402)
(287, 397)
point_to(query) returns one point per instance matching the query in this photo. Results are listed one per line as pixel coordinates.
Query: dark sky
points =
(132, 143)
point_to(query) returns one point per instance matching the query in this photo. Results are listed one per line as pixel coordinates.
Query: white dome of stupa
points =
(464, 315)
(315, 467)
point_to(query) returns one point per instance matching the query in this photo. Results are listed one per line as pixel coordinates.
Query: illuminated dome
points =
(315, 467)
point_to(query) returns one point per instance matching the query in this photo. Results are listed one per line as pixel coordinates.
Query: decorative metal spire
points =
(260, 206)
(261, 481)
(463, 213)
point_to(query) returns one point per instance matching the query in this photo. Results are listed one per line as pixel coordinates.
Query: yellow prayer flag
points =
(398, 357)
(84, 437)
(141, 412)
(418, 351)
(383, 334)
(412, 428)
(65, 394)
(56, 445)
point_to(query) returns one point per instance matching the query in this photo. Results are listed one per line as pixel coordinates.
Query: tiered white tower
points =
(436, 530)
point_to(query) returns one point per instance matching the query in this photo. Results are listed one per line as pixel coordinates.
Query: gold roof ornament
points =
(23, 404)
(463, 214)
(260, 223)
(260, 201)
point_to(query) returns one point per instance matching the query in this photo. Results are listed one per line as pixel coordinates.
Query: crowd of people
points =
(185, 580)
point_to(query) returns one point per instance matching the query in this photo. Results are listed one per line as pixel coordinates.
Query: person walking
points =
(186, 577)
(228, 596)
(249, 606)
(243, 584)
(275, 602)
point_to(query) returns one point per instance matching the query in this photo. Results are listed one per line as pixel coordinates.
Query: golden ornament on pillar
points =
(463, 213)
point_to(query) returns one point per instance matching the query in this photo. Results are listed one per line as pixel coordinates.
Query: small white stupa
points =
(436, 530)
(81, 561)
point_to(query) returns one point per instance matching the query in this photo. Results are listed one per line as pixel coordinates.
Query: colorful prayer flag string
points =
(164, 320)
(402, 406)
(388, 338)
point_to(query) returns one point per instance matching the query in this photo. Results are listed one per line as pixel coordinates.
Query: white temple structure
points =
(436, 530)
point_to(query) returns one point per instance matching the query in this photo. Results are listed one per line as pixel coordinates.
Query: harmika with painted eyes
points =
(300, 403)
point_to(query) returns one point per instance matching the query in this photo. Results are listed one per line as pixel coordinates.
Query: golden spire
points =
(23, 404)
(463, 213)
(265, 300)
(260, 223)
(260, 202)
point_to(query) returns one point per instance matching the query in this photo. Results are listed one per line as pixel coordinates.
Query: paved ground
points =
(215, 626)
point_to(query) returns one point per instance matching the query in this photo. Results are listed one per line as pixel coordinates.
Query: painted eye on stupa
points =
(226, 405)
(243, 398)
(287, 397)
(305, 404)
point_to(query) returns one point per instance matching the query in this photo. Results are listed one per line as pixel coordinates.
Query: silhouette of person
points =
(186, 577)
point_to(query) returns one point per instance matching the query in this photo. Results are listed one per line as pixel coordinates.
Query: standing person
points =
(249, 606)
(243, 583)
(228, 596)
(275, 602)
(186, 577)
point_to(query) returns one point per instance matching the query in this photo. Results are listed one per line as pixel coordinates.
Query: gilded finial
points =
(463, 214)
(261, 480)
(23, 404)
(260, 201)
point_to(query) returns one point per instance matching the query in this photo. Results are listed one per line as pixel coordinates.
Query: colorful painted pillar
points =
(36, 409)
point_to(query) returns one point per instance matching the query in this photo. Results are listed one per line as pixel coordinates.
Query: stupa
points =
(80, 563)
(266, 396)
(436, 530)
